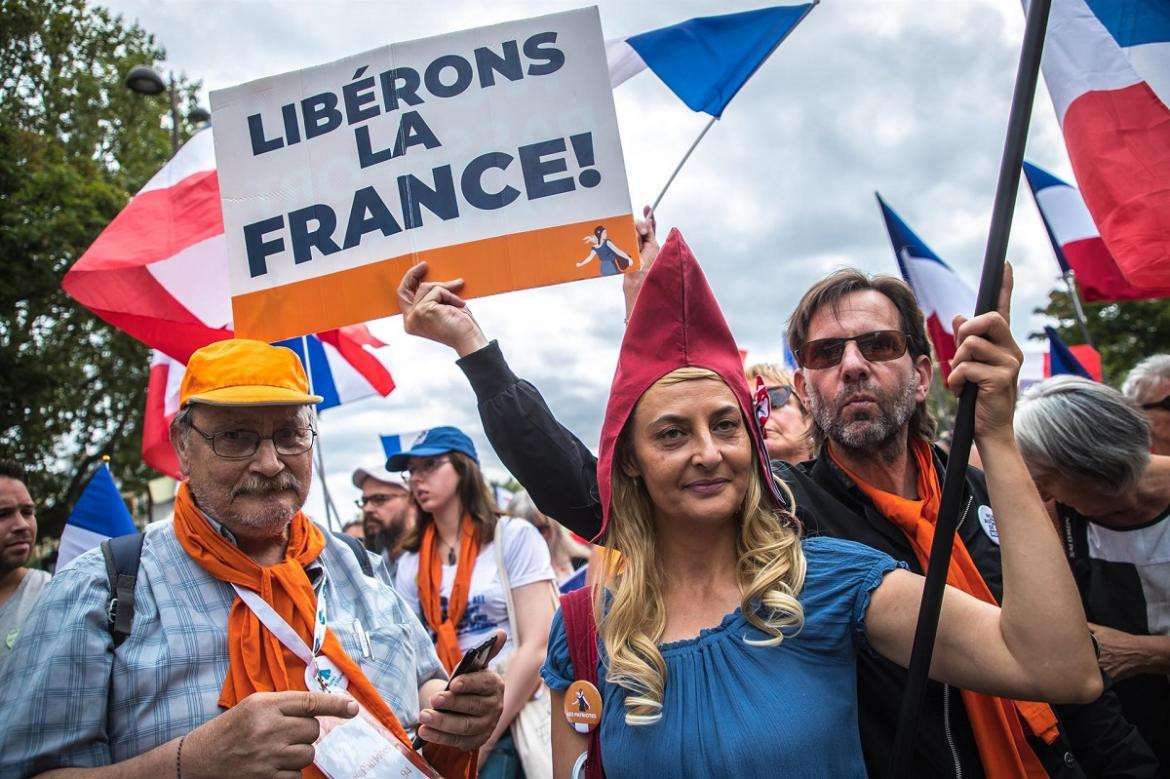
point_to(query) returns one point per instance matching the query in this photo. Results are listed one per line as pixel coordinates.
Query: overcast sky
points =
(903, 97)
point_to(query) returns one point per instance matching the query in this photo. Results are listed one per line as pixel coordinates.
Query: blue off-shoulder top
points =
(734, 709)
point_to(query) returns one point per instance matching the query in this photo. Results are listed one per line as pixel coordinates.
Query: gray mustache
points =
(258, 484)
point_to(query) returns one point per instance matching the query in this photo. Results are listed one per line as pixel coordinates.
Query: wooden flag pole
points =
(989, 286)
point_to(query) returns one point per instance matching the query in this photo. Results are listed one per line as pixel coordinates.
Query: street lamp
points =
(145, 80)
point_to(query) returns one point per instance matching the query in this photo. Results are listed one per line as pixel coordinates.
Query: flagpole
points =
(319, 455)
(813, 4)
(990, 282)
(682, 162)
(1074, 295)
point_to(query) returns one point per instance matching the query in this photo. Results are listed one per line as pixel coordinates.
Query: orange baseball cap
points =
(240, 372)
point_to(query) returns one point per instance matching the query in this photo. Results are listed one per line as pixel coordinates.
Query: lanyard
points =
(319, 670)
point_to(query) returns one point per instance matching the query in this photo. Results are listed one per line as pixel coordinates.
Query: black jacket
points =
(560, 474)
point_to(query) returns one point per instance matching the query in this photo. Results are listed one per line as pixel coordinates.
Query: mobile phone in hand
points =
(476, 659)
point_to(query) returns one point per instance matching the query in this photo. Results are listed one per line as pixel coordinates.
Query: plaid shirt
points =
(71, 699)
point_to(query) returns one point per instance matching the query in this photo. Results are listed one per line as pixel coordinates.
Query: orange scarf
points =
(430, 582)
(1003, 747)
(258, 661)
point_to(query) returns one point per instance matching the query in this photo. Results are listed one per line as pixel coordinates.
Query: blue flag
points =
(1061, 359)
(706, 61)
(99, 513)
(397, 442)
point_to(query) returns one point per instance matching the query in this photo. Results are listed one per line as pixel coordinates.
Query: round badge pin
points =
(583, 706)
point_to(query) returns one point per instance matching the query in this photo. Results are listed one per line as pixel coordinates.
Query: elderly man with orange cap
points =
(259, 647)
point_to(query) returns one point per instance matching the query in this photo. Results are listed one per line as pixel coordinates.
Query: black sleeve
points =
(1103, 741)
(559, 472)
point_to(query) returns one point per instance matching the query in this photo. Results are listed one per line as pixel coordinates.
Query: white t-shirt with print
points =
(527, 558)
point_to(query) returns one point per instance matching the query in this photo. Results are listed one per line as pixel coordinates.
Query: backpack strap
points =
(122, 555)
(581, 635)
(359, 552)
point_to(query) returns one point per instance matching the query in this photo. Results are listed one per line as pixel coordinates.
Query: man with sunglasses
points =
(387, 512)
(250, 621)
(1148, 385)
(865, 371)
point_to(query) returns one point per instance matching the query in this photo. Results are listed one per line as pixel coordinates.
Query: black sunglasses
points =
(878, 346)
(778, 396)
(1163, 404)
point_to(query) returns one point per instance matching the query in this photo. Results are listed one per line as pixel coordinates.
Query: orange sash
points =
(430, 583)
(1003, 747)
(257, 660)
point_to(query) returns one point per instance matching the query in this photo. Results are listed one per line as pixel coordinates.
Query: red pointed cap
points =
(675, 323)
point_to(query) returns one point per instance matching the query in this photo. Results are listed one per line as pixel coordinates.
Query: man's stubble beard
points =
(879, 434)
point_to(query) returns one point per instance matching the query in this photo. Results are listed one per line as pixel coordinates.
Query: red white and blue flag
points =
(707, 60)
(99, 513)
(344, 365)
(940, 291)
(1107, 66)
(1077, 243)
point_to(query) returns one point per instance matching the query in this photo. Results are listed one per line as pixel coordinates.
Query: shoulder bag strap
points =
(581, 634)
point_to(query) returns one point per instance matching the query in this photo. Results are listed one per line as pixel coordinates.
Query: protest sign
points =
(492, 153)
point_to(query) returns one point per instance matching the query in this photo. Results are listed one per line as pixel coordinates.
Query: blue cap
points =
(437, 440)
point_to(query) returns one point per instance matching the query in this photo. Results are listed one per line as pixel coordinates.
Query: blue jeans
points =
(503, 762)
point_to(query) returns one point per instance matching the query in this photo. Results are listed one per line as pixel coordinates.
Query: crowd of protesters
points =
(747, 606)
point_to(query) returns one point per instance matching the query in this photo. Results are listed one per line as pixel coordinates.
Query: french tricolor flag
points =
(940, 291)
(1077, 243)
(343, 365)
(393, 443)
(99, 513)
(1107, 66)
(705, 61)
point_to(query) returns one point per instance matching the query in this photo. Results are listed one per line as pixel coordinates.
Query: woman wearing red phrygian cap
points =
(727, 643)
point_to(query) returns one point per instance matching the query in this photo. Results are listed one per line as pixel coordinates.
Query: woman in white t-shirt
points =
(448, 574)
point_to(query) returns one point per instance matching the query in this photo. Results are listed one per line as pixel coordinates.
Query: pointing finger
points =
(316, 704)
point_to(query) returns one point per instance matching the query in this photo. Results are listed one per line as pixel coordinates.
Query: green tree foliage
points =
(1123, 333)
(75, 144)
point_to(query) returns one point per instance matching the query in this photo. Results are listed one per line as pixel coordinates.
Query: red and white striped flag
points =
(159, 272)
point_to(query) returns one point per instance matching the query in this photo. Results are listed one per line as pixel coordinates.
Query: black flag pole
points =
(989, 287)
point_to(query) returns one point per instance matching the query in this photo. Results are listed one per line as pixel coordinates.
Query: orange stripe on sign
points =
(536, 258)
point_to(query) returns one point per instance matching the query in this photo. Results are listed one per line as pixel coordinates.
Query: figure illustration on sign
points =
(612, 259)
(582, 704)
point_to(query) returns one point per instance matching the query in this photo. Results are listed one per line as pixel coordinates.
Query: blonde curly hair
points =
(770, 571)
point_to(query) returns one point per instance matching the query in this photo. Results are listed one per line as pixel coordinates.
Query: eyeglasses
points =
(878, 346)
(425, 467)
(1163, 404)
(778, 396)
(241, 444)
(378, 499)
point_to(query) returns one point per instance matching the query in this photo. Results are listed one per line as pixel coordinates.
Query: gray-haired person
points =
(1148, 385)
(1088, 448)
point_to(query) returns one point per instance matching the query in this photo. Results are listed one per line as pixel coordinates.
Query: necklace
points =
(451, 556)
